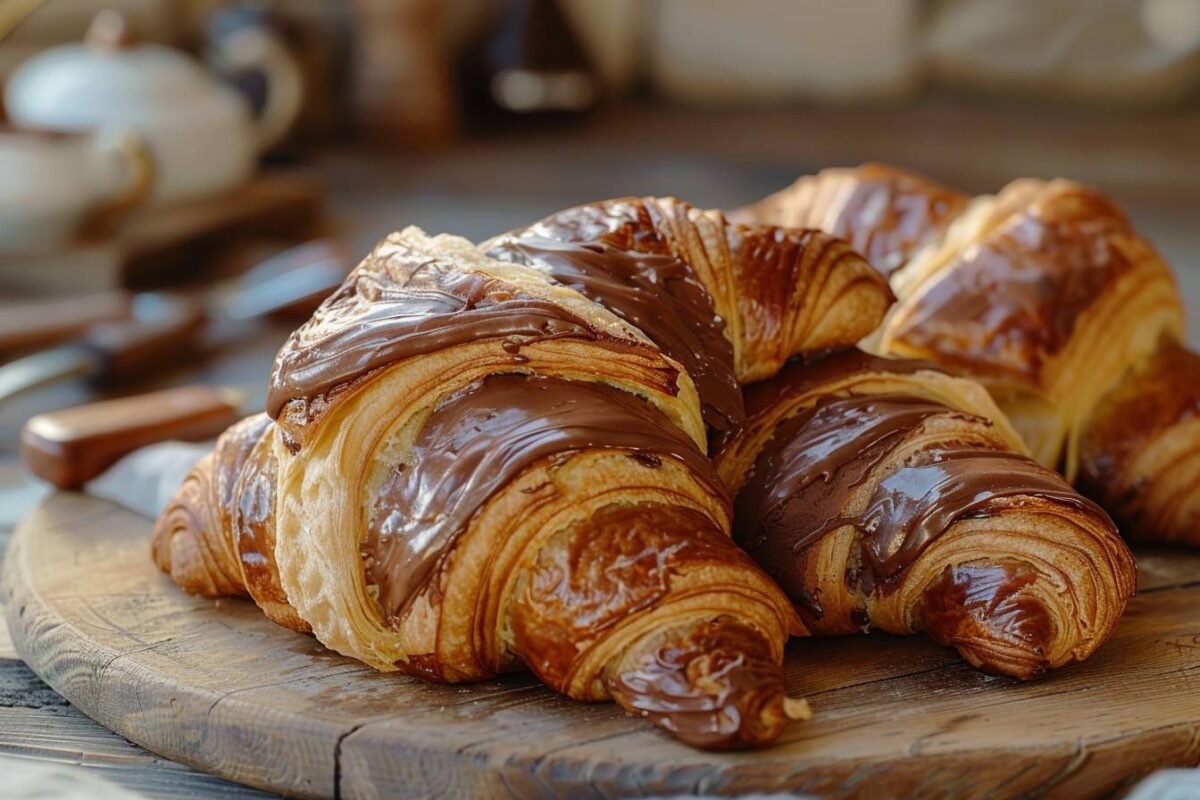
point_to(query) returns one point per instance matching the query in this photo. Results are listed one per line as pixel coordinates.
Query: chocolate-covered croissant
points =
(473, 465)
(884, 493)
(1046, 294)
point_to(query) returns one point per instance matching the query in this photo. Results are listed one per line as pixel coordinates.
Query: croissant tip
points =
(797, 709)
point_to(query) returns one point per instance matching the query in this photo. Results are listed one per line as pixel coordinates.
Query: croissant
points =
(473, 465)
(1047, 295)
(216, 538)
(886, 493)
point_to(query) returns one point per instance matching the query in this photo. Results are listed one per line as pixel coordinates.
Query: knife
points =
(134, 451)
(69, 447)
(163, 325)
(27, 326)
(145, 480)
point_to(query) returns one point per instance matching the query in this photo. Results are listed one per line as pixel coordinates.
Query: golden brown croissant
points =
(1139, 454)
(884, 213)
(885, 493)
(217, 537)
(474, 467)
(778, 291)
(1046, 294)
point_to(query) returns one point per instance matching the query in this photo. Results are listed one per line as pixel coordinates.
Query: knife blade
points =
(161, 325)
(145, 480)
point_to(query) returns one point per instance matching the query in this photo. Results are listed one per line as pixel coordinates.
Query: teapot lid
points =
(110, 77)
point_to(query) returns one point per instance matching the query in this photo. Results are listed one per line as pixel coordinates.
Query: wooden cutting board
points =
(216, 686)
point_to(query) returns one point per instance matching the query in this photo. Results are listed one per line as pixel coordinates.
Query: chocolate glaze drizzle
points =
(480, 439)
(973, 603)
(889, 214)
(803, 478)
(1007, 304)
(407, 308)
(713, 684)
(655, 292)
(806, 374)
(627, 223)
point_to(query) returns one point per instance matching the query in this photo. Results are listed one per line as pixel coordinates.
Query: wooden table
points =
(1148, 163)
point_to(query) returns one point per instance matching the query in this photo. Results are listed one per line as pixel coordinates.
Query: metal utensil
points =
(162, 326)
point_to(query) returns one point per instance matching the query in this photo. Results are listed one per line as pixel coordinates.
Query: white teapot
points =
(54, 181)
(200, 132)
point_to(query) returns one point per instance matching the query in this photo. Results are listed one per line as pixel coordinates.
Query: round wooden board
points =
(216, 686)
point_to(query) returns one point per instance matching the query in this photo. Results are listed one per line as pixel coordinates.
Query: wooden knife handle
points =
(72, 446)
(26, 326)
(132, 347)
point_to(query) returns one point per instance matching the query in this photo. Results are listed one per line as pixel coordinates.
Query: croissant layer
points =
(877, 495)
(1140, 452)
(475, 463)
(1047, 295)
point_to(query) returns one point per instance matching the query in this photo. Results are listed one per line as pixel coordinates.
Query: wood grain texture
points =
(37, 725)
(62, 736)
(216, 686)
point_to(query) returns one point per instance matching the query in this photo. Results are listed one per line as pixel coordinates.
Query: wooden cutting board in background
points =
(156, 245)
(216, 686)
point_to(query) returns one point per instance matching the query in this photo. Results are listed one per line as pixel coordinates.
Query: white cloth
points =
(26, 779)
(145, 480)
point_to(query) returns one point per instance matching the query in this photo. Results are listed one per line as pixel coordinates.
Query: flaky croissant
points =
(778, 291)
(474, 466)
(885, 493)
(1046, 294)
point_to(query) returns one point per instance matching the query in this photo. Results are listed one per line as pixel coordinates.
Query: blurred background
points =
(179, 144)
(182, 180)
(154, 151)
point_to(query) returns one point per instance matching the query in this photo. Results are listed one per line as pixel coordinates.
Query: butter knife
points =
(162, 326)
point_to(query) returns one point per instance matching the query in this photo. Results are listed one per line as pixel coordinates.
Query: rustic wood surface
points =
(216, 686)
(39, 725)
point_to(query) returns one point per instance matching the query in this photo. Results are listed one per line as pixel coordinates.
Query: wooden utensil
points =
(70, 447)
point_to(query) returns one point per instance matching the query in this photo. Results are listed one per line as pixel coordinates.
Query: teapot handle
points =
(257, 48)
(130, 152)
